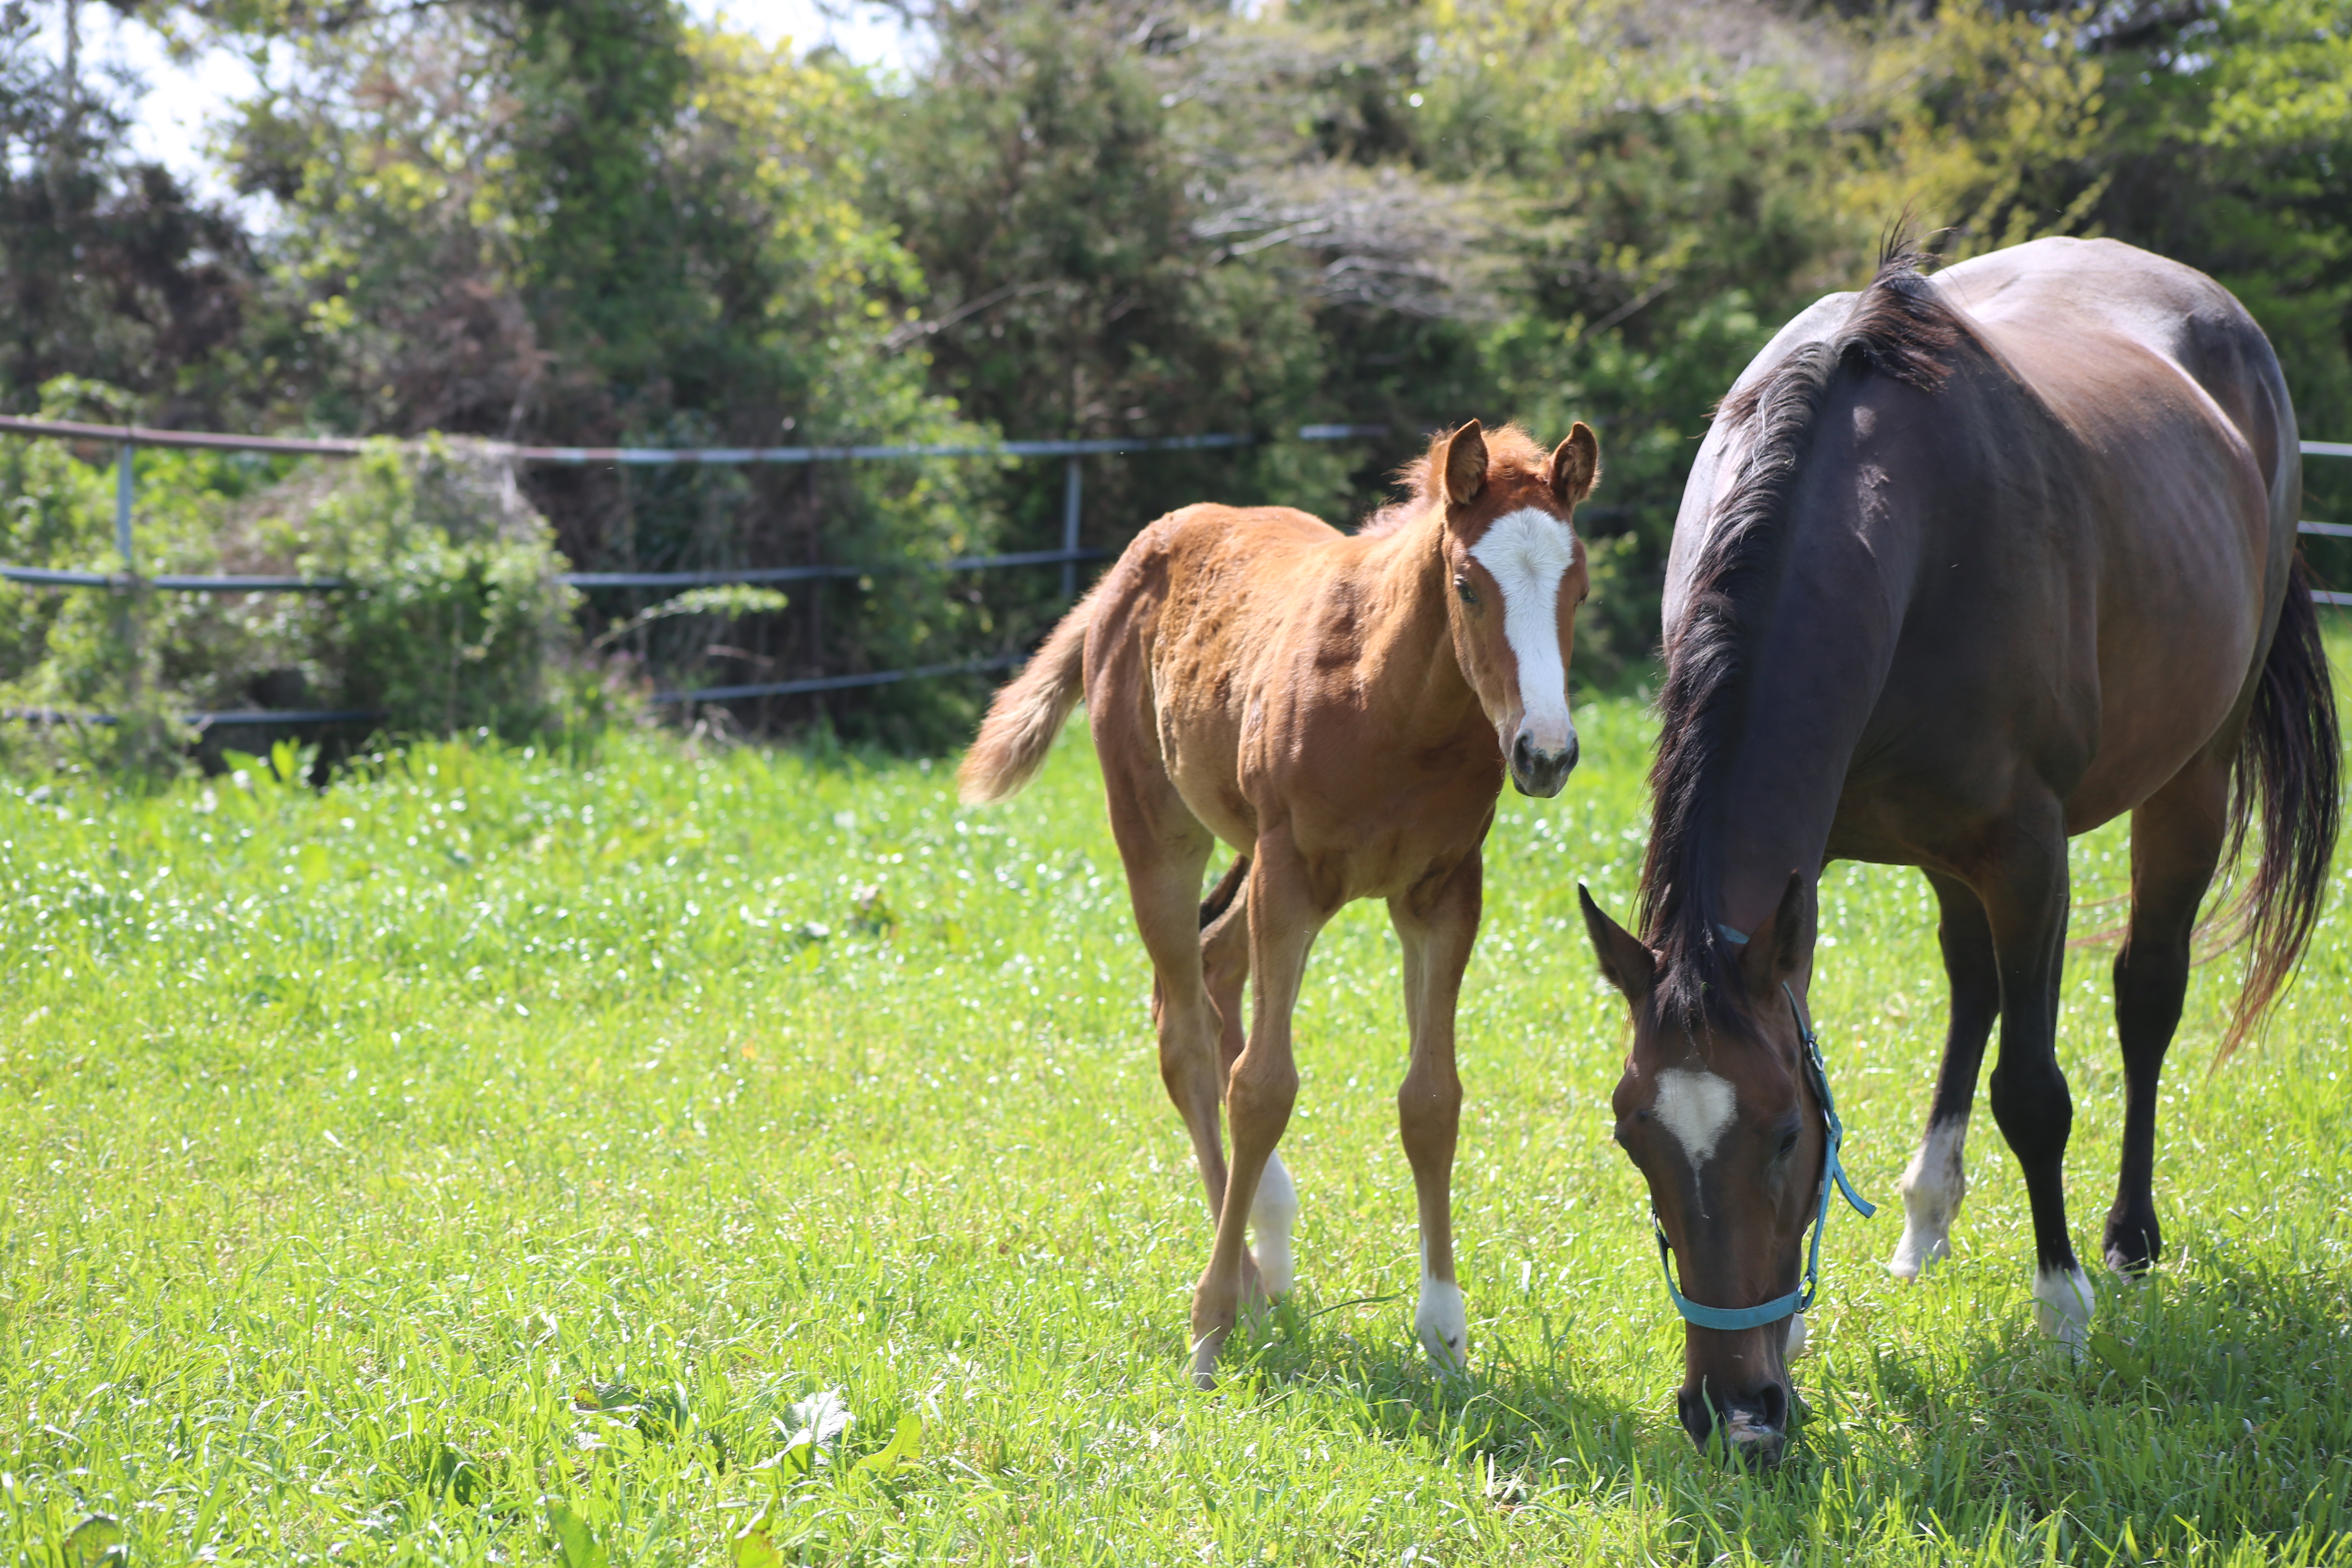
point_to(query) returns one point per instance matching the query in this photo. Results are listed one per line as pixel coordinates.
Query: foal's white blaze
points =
(1933, 1185)
(1695, 1107)
(1441, 1321)
(2062, 1305)
(1528, 552)
(1272, 1212)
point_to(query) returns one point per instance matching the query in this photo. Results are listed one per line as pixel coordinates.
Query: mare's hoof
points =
(2062, 1304)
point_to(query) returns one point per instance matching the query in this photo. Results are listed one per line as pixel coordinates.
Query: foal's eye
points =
(1461, 586)
(1789, 1143)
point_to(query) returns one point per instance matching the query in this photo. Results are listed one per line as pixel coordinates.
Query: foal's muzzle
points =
(1753, 1425)
(1540, 773)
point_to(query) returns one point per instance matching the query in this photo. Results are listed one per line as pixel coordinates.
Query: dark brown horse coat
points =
(1967, 565)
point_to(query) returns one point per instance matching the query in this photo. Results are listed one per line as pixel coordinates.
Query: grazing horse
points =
(1967, 565)
(1340, 710)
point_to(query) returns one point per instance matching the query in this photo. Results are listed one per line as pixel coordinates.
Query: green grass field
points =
(500, 1159)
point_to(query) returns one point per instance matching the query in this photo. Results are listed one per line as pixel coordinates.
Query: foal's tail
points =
(2293, 758)
(1028, 712)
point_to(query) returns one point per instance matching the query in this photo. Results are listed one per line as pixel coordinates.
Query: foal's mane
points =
(1510, 452)
(1897, 327)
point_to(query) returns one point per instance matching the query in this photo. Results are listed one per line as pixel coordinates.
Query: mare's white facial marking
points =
(1695, 1107)
(1933, 1186)
(1273, 1211)
(2062, 1305)
(1528, 552)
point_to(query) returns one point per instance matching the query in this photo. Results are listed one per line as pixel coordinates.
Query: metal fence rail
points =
(129, 439)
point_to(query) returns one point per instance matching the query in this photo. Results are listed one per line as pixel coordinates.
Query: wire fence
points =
(129, 439)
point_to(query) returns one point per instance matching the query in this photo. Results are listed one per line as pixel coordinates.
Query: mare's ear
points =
(1464, 462)
(1775, 948)
(1624, 962)
(1576, 465)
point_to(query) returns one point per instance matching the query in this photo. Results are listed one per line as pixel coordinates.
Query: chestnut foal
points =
(1340, 710)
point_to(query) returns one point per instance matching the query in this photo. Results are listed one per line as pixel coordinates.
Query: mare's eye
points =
(1789, 1141)
(1461, 586)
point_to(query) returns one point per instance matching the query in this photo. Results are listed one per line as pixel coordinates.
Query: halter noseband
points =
(1800, 1298)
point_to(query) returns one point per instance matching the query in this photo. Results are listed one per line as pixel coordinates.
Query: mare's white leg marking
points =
(1933, 1185)
(1528, 552)
(1695, 1107)
(1796, 1346)
(1272, 1212)
(2062, 1305)
(1442, 1323)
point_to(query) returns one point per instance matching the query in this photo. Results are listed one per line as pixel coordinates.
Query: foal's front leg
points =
(1436, 925)
(1263, 1083)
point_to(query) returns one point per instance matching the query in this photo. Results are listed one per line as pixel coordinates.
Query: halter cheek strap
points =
(1832, 1172)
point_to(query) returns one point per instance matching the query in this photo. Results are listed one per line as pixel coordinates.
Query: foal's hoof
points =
(1442, 1325)
(1205, 1361)
(1916, 1253)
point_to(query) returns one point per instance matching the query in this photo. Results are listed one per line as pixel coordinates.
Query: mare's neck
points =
(1408, 647)
(1815, 672)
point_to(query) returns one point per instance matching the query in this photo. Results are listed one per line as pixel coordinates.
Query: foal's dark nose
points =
(1541, 774)
(1754, 1424)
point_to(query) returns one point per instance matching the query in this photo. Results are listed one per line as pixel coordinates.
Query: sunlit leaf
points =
(903, 1446)
(750, 1547)
(576, 1545)
(96, 1539)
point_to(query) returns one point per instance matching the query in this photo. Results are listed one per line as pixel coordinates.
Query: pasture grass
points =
(502, 1158)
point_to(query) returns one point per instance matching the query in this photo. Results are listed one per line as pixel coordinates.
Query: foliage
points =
(108, 267)
(453, 618)
(490, 1159)
(602, 222)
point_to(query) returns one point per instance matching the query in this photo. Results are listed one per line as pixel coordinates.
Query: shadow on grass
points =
(2209, 1413)
(1515, 1416)
(2207, 1407)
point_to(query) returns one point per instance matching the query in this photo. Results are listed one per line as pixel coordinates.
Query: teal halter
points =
(1799, 1299)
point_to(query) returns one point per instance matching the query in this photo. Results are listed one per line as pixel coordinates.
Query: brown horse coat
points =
(1340, 710)
(1967, 565)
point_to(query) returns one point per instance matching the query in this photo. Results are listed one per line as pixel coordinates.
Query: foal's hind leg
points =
(1283, 922)
(1224, 964)
(1934, 1181)
(1163, 848)
(1436, 926)
(2176, 841)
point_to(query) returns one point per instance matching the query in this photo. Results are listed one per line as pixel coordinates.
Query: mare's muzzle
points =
(1540, 773)
(1753, 1425)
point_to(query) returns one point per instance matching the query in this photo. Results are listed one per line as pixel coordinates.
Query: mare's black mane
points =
(1897, 327)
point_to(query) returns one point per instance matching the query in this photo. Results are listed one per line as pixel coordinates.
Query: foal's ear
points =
(1775, 948)
(1576, 465)
(1624, 962)
(1464, 462)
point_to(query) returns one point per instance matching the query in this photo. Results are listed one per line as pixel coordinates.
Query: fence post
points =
(125, 487)
(1070, 530)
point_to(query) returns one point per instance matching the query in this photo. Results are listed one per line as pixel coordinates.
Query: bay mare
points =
(1967, 565)
(1340, 710)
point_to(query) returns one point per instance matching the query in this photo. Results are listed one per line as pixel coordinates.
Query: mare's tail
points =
(1028, 712)
(2292, 758)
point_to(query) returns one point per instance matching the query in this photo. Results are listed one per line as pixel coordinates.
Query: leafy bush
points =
(454, 618)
